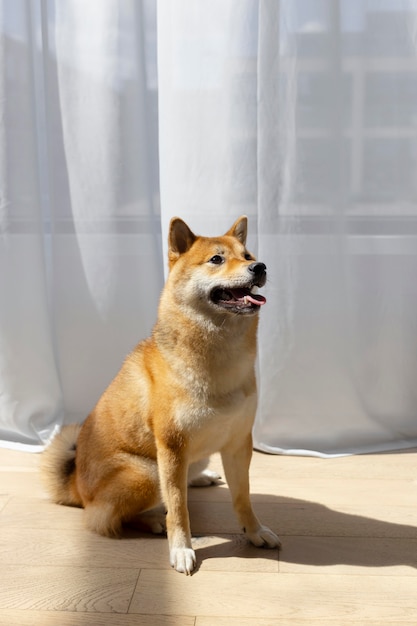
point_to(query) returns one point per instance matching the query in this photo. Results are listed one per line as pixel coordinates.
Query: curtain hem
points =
(22, 447)
(387, 448)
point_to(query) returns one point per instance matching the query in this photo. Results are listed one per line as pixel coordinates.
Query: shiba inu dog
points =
(184, 393)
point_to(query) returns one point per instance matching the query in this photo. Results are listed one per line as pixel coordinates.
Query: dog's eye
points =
(248, 256)
(216, 259)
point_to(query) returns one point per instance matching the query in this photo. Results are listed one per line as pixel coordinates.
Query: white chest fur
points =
(210, 425)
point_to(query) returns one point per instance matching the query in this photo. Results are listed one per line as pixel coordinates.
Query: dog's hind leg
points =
(103, 518)
(123, 495)
(153, 521)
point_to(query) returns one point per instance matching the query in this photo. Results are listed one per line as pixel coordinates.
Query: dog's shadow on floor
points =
(311, 534)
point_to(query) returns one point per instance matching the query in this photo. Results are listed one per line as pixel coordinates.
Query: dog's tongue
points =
(254, 298)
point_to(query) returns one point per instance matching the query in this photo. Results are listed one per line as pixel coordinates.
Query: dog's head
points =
(215, 274)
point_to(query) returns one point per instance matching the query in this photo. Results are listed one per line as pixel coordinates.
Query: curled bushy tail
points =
(58, 466)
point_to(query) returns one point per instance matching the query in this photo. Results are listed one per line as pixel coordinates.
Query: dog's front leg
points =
(236, 461)
(173, 473)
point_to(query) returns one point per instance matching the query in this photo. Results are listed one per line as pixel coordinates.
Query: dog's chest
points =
(209, 424)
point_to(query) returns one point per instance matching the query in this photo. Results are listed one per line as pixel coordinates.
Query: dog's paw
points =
(153, 521)
(183, 560)
(264, 538)
(204, 479)
(157, 525)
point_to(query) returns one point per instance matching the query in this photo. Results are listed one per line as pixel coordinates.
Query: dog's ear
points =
(239, 229)
(180, 239)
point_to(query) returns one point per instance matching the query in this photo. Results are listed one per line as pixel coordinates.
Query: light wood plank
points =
(3, 501)
(54, 618)
(82, 589)
(24, 481)
(73, 548)
(347, 555)
(256, 621)
(336, 492)
(28, 512)
(284, 596)
(398, 465)
(213, 493)
(16, 458)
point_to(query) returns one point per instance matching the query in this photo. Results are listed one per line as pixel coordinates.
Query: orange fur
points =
(184, 393)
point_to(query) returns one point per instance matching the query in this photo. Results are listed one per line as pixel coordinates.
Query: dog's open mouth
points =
(239, 300)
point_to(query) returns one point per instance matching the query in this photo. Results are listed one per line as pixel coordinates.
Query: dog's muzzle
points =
(240, 298)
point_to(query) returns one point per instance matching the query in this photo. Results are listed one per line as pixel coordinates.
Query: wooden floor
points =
(349, 532)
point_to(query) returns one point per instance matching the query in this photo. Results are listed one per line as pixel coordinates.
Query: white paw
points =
(183, 560)
(204, 479)
(153, 521)
(264, 538)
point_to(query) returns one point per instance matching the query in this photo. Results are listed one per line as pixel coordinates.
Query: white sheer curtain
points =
(302, 115)
(299, 114)
(80, 265)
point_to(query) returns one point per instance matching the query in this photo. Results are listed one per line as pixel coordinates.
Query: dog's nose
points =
(257, 268)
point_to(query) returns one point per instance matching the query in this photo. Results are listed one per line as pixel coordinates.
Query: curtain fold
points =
(116, 115)
(338, 348)
(80, 243)
(30, 390)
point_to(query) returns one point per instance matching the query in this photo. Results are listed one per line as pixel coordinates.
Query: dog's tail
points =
(58, 466)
